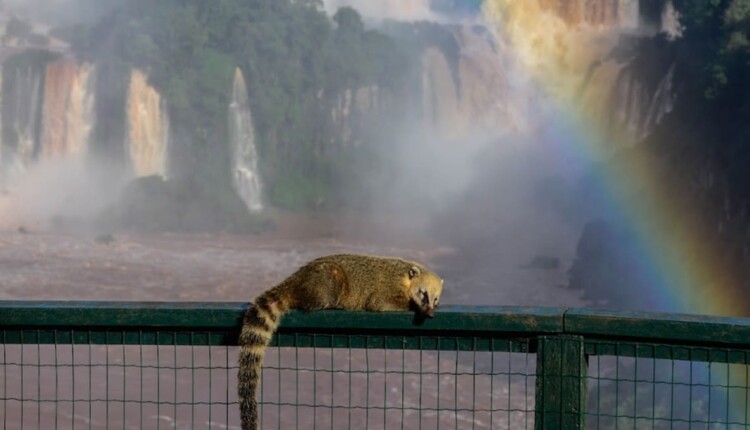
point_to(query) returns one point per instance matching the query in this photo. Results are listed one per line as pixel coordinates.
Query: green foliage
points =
(141, 49)
(738, 13)
(203, 90)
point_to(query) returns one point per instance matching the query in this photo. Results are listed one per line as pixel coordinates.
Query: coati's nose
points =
(430, 312)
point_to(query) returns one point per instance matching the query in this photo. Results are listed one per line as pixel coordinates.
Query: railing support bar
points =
(560, 383)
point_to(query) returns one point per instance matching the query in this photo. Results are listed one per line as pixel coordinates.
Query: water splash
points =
(245, 177)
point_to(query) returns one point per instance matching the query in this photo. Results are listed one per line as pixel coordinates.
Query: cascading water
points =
(473, 96)
(80, 115)
(245, 177)
(21, 108)
(559, 40)
(662, 101)
(636, 107)
(48, 116)
(568, 45)
(491, 83)
(147, 127)
(67, 112)
(439, 93)
(2, 150)
(601, 13)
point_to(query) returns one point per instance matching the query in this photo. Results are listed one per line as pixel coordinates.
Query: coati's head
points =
(424, 287)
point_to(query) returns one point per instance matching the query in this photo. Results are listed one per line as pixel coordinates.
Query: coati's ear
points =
(413, 272)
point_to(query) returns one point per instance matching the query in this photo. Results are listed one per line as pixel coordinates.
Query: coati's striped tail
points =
(260, 322)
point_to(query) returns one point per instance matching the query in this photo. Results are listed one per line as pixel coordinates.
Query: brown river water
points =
(120, 387)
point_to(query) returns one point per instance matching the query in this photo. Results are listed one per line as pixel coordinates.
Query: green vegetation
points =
(297, 63)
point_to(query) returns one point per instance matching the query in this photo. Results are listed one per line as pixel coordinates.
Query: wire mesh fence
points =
(93, 386)
(375, 388)
(65, 386)
(658, 386)
(174, 366)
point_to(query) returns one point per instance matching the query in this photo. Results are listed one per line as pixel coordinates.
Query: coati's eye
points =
(425, 298)
(413, 272)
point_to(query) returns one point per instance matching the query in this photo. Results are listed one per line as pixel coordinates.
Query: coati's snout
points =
(430, 312)
(426, 288)
(427, 307)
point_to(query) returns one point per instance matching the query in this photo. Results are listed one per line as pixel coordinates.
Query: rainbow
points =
(680, 263)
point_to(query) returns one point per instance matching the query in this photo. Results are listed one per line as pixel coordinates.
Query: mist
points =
(440, 161)
(422, 129)
(487, 173)
(60, 12)
(56, 193)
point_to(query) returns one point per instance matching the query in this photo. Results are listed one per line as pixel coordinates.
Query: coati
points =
(343, 281)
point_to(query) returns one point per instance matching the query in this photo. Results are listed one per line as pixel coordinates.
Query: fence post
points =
(560, 383)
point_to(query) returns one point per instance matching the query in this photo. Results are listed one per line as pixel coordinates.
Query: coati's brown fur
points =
(344, 281)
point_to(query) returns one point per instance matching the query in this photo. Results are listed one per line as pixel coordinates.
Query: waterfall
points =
(2, 149)
(245, 177)
(629, 102)
(628, 14)
(67, 111)
(557, 41)
(476, 97)
(80, 115)
(439, 96)
(636, 108)
(147, 128)
(598, 13)
(48, 111)
(569, 44)
(21, 111)
(662, 101)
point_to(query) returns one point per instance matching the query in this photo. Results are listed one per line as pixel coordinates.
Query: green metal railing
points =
(173, 365)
